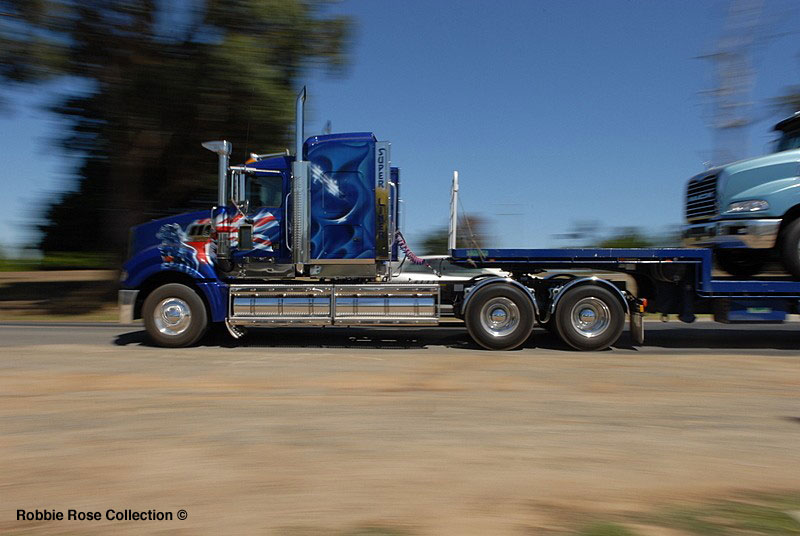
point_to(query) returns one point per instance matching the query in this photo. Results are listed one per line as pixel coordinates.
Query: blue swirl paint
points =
(342, 173)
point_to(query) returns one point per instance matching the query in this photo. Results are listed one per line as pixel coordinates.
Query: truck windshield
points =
(788, 141)
(264, 191)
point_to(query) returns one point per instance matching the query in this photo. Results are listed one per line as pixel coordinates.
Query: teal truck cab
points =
(749, 211)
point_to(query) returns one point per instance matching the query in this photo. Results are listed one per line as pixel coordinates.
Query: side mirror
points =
(237, 190)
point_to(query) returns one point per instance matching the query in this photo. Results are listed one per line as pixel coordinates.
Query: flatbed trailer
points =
(309, 240)
(587, 311)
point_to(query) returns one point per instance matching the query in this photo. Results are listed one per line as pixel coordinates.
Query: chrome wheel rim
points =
(172, 316)
(499, 317)
(590, 317)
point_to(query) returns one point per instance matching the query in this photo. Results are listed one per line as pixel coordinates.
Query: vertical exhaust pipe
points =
(453, 230)
(299, 133)
(223, 149)
(301, 216)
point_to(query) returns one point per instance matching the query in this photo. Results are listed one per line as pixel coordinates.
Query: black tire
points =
(740, 262)
(790, 248)
(499, 317)
(174, 316)
(605, 318)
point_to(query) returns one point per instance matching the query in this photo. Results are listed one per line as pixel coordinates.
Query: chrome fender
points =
(495, 280)
(558, 292)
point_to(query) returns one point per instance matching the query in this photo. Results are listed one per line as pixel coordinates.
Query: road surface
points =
(415, 431)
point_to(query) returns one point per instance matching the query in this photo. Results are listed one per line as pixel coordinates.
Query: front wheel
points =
(740, 262)
(174, 316)
(590, 318)
(790, 248)
(500, 317)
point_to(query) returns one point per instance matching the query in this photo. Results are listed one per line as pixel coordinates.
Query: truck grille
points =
(701, 198)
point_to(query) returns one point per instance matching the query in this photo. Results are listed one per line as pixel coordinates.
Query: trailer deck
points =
(630, 260)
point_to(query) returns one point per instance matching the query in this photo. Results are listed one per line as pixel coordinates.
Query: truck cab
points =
(294, 239)
(748, 211)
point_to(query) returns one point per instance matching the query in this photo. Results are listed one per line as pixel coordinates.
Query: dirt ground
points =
(59, 295)
(433, 439)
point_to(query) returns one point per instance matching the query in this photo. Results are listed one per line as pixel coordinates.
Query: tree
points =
(590, 234)
(583, 233)
(626, 237)
(164, 76)
(789, 102)
(473, 232)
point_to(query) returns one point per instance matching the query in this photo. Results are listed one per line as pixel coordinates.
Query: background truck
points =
(749, 211)
(310, 240)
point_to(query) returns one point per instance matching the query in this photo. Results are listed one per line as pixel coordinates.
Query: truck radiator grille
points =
(701, 198)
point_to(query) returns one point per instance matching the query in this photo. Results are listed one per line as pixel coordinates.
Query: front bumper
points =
(127, 302)
(754, 234)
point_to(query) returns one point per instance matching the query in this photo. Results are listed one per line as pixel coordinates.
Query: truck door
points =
(265, 209)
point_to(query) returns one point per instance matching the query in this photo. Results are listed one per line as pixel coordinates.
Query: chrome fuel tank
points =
(341, 305)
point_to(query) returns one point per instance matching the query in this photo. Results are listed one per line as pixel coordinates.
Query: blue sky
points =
(553, 112)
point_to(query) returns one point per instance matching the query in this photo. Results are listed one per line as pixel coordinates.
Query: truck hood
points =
(769, 177)
(187, 226)
(760, 162)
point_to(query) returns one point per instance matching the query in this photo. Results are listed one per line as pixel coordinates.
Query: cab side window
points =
(265, 191)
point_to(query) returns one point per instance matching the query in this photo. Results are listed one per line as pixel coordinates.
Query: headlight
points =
(755, 205)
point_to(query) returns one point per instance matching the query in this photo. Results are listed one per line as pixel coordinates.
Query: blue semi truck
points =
(308, 239)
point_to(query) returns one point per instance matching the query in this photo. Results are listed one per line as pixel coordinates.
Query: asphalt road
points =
(403, 432)
(702, 337)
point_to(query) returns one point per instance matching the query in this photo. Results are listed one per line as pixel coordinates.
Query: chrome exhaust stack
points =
(300, 193)
(223, 149)
(299, 117)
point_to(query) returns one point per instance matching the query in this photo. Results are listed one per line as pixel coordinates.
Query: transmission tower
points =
(730, 100)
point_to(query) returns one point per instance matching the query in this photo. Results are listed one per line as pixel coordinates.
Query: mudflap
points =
(637, 328)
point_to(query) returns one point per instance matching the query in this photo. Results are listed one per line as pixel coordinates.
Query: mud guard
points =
(637, 328)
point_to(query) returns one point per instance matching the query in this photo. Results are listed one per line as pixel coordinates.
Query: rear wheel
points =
(499, 317)
(740, 262)
(590, 318)
(790, 248)
(174, 316)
